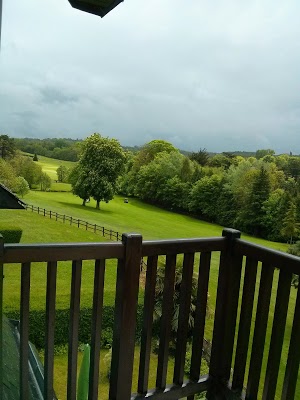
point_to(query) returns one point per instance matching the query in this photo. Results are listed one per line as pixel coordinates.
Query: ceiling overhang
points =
(97, 7)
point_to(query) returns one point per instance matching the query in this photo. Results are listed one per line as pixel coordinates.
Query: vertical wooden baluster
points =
(245, 324)
(73, 329)
(166, 318)
(125, 318)
(280, 314)
(96, 328)
(147, 324)
(293, 361)
(24, 331)
(260, 329)
(200, 314)
(183, 318)
(50, 321)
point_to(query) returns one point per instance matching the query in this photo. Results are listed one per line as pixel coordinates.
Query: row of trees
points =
(260, 195)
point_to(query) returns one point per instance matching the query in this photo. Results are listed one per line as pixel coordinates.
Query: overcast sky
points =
(224, 75)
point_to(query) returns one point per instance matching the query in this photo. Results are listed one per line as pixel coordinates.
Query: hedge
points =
(37, 325)
(11, 235)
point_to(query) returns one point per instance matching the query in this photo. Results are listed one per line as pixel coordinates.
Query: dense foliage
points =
(60, 149)
(100, 164)
(259, 195)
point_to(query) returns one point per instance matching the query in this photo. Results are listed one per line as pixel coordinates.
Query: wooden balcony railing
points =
(243, 300)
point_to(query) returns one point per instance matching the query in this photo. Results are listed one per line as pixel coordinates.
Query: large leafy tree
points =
(150, 150)
(26, 167)
(100, 164)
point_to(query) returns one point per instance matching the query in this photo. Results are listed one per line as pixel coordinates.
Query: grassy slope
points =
(39, 229)
(152, 222)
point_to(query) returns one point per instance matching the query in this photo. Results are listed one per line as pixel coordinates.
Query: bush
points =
(37, 319)
(11, 235)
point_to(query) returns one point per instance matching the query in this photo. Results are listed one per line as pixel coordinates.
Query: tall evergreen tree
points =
(290, 227)
(252, 215)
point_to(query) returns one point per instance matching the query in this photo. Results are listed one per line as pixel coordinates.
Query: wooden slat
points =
(147, 324)
(96, 328)
(200, 314)
(49, 337)
(280, 315)
(74, 329)
(260, 329)
(125, 318)
(245, 324)
(24, 330)
(165, 327)
(183, 317)
(293, 361)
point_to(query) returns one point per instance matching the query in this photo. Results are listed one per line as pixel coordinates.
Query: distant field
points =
(50, 165)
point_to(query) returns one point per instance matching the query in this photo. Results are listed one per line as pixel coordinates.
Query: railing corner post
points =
(128, 275)
(1, 310)
(226, 309)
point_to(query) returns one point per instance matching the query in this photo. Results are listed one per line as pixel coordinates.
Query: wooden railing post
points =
(125, 318)
(225, 314)
(1, 311)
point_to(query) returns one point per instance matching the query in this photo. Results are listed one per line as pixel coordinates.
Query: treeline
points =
(258, 195)
(20, 173)
(60, 149)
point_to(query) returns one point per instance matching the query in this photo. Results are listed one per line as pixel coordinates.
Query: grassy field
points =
(150, 221)
(50, 165)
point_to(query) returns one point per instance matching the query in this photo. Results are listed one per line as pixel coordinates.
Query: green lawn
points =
(150, 221)
(50, 165)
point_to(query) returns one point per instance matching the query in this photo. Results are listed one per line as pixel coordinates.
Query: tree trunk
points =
(98, 205)
(83, 202)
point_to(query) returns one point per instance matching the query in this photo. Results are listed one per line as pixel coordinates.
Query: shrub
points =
(37, 319)
(11, 235)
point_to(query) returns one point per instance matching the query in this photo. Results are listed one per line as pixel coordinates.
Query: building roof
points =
(11, 365)
(9, 200)
(97, 7)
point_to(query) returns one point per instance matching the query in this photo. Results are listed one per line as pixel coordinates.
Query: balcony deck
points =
(239, 332)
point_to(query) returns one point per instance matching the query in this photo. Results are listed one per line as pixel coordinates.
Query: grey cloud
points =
(220, 74)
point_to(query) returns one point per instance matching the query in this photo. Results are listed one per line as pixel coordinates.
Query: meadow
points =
(152, 222)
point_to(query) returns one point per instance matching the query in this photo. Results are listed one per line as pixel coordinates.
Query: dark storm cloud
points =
(220, 74)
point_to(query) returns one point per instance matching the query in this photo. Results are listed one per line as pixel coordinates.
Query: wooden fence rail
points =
(108, 233)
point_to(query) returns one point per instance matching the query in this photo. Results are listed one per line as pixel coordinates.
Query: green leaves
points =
(101, 163)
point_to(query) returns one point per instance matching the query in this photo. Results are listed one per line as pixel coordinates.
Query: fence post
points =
(71, 220)
(64, 218)
(38, 210)
(103, 231)
(225, 315)
(110, 234)
(78, 223)
(44, 212)
(50, 214)
(1, 309)
(95, 228)
(125, 318)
